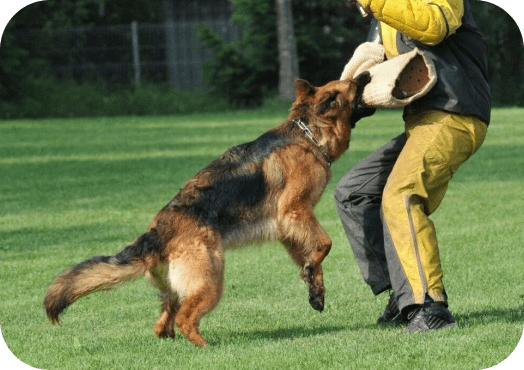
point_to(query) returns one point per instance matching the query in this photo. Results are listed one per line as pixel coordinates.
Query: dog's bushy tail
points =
(102, 273)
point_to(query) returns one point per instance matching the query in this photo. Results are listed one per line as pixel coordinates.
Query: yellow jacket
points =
(445, 30)
(427, 21)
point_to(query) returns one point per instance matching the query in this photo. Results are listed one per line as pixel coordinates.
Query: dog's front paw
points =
(316, 300)
(308, 274)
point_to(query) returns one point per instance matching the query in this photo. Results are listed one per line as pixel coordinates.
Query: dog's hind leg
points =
(197, 277)
(165, 325)
(308, 244)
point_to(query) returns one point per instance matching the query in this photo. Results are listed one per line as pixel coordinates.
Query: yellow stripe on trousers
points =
(438, 143)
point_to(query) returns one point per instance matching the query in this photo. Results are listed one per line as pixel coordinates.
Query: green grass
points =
(71, 189)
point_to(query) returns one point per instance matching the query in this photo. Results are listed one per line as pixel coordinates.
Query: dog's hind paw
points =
(166, 334)
(316, 300)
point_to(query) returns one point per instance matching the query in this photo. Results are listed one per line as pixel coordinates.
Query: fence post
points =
(136, 52)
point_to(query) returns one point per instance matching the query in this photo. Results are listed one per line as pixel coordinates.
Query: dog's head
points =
(328, 109)
(335, 100)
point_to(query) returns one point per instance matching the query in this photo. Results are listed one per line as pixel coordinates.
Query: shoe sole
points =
(397, 320)
(448, 326)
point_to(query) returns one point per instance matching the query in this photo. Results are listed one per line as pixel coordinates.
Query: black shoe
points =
(430, 316)
(391, 314)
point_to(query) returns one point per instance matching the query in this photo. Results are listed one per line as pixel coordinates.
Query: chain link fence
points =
(123, 55)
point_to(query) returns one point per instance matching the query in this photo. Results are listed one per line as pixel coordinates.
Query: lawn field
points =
(71, 189)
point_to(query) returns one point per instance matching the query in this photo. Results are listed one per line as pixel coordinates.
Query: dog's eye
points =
(329, 104)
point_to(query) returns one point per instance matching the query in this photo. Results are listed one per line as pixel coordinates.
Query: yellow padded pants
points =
(437, 144)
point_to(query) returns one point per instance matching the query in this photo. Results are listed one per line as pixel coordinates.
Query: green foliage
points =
(259, 37)
(245, 69)
(230, 72)
(56, 14)
(46, 97)
(506, 53)
(76, 188)
(243, 72)
(17, 66)
(327, 32)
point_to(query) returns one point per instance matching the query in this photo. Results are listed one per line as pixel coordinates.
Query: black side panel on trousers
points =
(358, 197)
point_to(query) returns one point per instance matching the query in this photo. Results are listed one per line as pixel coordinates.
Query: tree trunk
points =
(169, 30)
(287, 50)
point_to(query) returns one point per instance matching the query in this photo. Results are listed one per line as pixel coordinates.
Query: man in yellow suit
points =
(385, 200)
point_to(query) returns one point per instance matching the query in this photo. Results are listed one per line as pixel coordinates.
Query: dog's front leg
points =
(308, 244)
(315, 281)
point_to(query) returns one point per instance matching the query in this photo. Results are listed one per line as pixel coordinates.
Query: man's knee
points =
(364, 183)
(393, 202)
(345, 189)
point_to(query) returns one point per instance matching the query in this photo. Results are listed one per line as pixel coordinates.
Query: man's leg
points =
(358, 197)
(438, 143)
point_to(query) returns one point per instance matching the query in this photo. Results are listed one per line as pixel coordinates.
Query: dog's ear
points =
(360, 81)
(303, 88)
(360, 111)
(363, 79)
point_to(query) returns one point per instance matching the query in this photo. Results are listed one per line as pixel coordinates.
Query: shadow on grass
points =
(278, 334)
(510, 315)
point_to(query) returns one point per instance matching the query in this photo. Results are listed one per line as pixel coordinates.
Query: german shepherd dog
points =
(261, 190)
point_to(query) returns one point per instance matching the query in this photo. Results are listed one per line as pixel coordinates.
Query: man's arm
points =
(428, 21)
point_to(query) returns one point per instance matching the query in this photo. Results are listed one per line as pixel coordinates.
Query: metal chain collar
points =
(312, 137)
